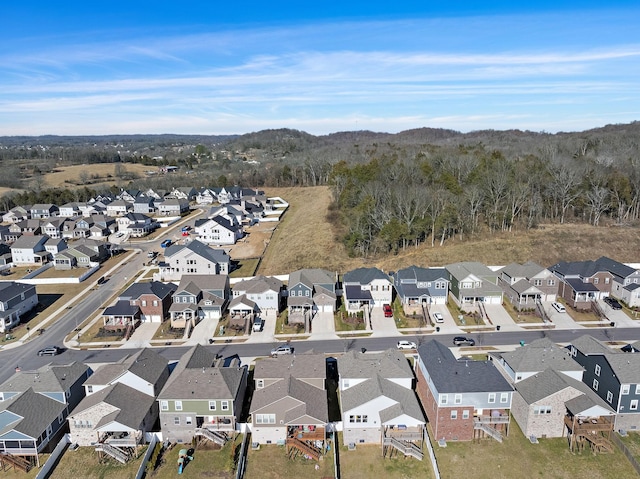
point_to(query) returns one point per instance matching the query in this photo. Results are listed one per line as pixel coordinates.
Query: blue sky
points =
(97, 67)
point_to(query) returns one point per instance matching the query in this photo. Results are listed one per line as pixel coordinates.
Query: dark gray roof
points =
(147, 364)
(526, 270)
(625, 366)
(121, 308)
(615, 267)
(132, 405)
(388, 364)
(311, 277)
(419, 274)
(11, 289)
(580, 286)
(313, 401)
(364, 276)
(259, 284)
(36, 410)
(201, 249)
(583, 269)
(157, 288)
(50, 378)
(355, 292)
(451, 375)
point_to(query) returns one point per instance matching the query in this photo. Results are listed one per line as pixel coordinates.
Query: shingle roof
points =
(312, 401)
(36, 410)
(46, 379)
(364, 276)
(451, 375)
(147, 364)
(526, 270)
(301, 366)
(388, 364)
(615, 267)
(201, 249)
(625, 366)
(259, 284)
(157, 288)
(540, 355)
(311, 277)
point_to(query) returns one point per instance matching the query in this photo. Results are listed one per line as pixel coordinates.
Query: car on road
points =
(166, 243)
(50, 351)
(558, 307)
(438, 318)
(406, 345)
(613, 302)
(463, 341)
(282, 350)
(388, 312)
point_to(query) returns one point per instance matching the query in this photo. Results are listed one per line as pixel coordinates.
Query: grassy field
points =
(304, 239)
(69, 176)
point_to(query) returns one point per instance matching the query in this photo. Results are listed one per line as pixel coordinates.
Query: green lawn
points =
(84, 463)
(271, 462)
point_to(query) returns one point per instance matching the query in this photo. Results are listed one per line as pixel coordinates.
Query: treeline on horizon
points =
(390, 191)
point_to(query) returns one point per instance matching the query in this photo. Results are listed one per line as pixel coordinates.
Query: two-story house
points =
(526, 285)
(199, 297)
(193, 258)
(219, 230)
(43, 210)
(153, 297)
(614, 375)
(378, 403)
(582, 282)
(463, 399)
(416, 286)
(136, 224)
(265, 291)
(289, 404)
(625, 282)
(30, 250)
(472, 282)
(310, 291)
(203, 397)
(173, 207)
(34, 406)
(16, 299)
(365, 288)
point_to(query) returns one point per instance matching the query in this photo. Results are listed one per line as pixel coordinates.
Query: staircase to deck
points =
(494, 433)
(219, 438)
(114, 452)
(406, 448)
(296, 444)
(17, 462)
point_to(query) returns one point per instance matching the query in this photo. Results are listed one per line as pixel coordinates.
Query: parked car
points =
(281, 350)
(463, 341)
(406, 345)
(613, 302)
(258, 324)
(50, 351)
(559, 308)
(388, 312)
(151, 254)
(165, 243)
(438, 318)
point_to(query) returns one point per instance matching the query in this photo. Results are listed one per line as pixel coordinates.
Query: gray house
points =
(526, 285)
(192, 258)
(364, 288)
(416, 286)
(16, 299)
(199, 297)
(304, 286)
(614, 375)
(472, 282)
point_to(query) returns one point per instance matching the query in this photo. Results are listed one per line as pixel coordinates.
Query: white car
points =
(438, 318)
(406, 345)
(559, 308)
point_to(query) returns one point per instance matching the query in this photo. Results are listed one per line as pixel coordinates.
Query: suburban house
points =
(193, 258)
(84, 254)
(526, 285)
(43, 210)
(305, 285)
(30, 250)
(34, 406)
(364, 288)
(289, 404)
(16, 214)
(582, 282)
(121, 318)
(472, 282)
(152, 297)
(626, 281)
(552, 404)
(378, 403)
(16, 299)
(219, 230)
(242, 313)
(114, 420)
(145, 371)
(173, 207)
(144, 205)
(266, 292)
(203, 397)
(52, 227)
(463, 399)
(232, 213)
(418, 287)
(136, 224)
(206, 196)
(197, 297)
(187, 193)
(119, 207)
(69, 210)
(614, 376)
(534, 358)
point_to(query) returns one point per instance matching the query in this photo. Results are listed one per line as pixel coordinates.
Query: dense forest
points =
(390, 191)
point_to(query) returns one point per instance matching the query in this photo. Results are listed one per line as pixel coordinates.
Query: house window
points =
(597, 370)
(176, 421)
(188, 420)
(178, 405)
(625, 389)
(306, 293)
(465, 414)
(637, 388)
(518, 377)
(538, 410)
(444, 399)
(606, 281)
(537, 282)
(164, 405)
(596, 384)
(345, 384)
(609, 396)
(358, 418)
(504, 397)
(155, 302)
(265, 418)
(212, 405)
(457, 399)
(634, 405)
(61, 418)
(260, 383)
(49, 430)
(225, 405)
(492, 397)
(454, 414)
(574, 351)
(596, 280)
(89, 389)
(144, 303)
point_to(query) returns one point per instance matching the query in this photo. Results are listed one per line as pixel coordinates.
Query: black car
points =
(462, 341)
(50, 351)
(613, 302)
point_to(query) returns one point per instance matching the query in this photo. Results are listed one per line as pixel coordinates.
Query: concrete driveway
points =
(499, 317)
